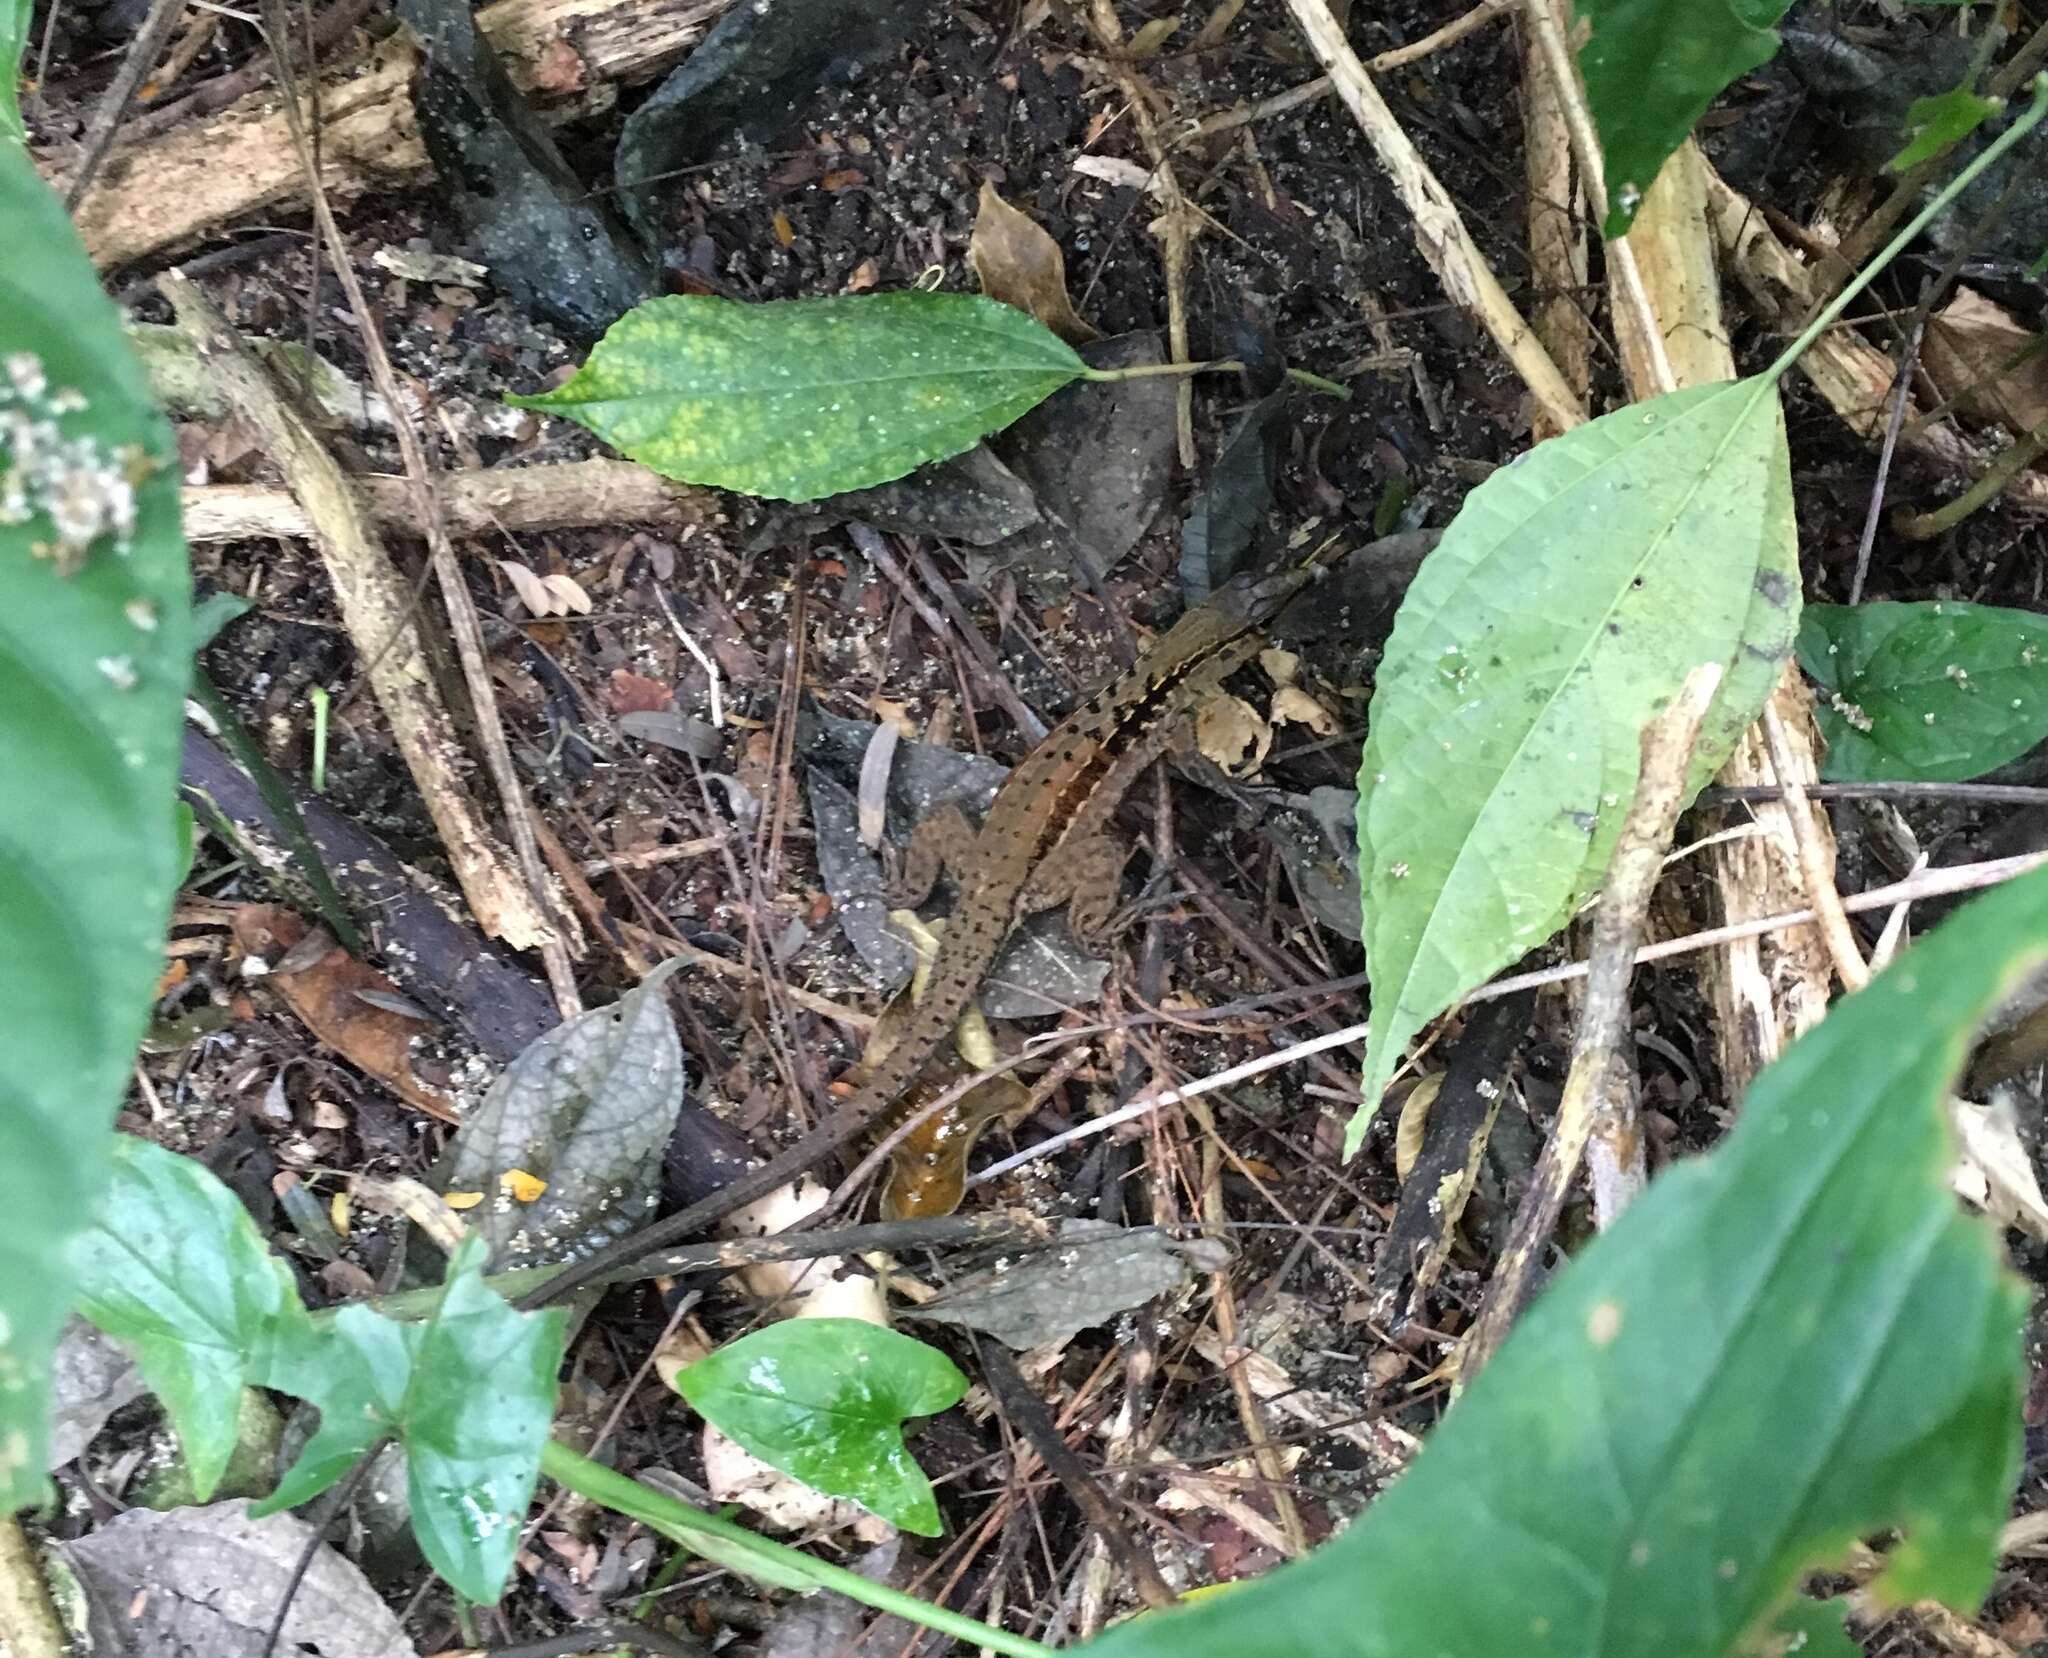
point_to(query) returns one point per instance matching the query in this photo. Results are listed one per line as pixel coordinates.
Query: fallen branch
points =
(376, 607)
(1440, 231)
(1597, 1049)
(168, 191)
(565, 496)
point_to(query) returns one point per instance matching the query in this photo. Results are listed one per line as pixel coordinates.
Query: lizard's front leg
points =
(1082, 874)
(940, 841)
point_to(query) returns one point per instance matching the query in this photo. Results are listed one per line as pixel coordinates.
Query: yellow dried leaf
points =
(462, 1200)
(1229, 731)
(522, 1187)
(1414, 1124)
(1291, 704)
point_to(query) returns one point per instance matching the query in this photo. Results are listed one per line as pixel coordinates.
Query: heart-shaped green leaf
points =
(1936, 692)
(825, 1399)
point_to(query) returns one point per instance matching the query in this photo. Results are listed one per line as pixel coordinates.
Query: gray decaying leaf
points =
(587, 1109)
(828, 1626)
(91, 1377)
(1041, 971)
(1227, 514)
(1317, 833)
(853, 877)
(209, 1580)
(751, 76)
(684, 733)
(1094, 1273)
(972, 498)
(551, 244)
(1097, 457)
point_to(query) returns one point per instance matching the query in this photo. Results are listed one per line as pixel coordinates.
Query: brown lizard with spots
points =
(1043, 842)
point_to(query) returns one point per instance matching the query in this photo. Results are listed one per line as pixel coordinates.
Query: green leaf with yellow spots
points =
(799, 398)
(1794, 1342)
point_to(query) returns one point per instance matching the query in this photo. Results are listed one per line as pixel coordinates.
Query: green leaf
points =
(825, 1399)
(800, 398)
(213, 613)
(14, 19)
(1936, 692)
(1564, 606)
(1651, 68)
(95, 656)
(468, 1393)
(1789, 1344)
(176, 1269)
(1933, 124)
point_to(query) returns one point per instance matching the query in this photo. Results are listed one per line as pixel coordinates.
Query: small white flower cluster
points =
(86, 490)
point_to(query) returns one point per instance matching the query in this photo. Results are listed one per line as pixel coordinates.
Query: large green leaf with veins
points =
(799, 398)
(1794, 1342)
(95, 659)
(1564, 606)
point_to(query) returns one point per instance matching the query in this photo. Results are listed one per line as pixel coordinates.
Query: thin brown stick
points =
(1440, 231)
(1816, 859)
(546, 925)
(1603, 1027)
(145, 51)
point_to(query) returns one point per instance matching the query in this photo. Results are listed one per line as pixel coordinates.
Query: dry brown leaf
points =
(1293, 705)
(1282, 667)
(325, 996)
(1019, 264)
(631, 693)
(1228, 731)
(545, 595)
(1969, 352)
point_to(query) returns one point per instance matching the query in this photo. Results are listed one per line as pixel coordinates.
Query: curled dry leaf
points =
(545, 595)
(1293, 705)
(1017, 262)
(1992, 364)
(347, 1005)
(631, 693)
(1228, 731)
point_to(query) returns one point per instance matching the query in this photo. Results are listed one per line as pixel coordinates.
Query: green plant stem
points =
(1217, 365)
(1920, 221)
(319, 695)
(1990, 484)
(326, 896)
(684, 1524)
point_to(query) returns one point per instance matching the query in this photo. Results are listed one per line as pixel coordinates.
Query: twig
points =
(1395, 57)
(562, 496)
(1557, 235)
(1440, 231)
(1982, 794)
(1933, 883)
(1028, 1412)
(697, 652)
(375, 606)
(145, 51)
(1545, 27)
(538, 921)
(1604, 1024)
(1816, 865)
(1902, 386)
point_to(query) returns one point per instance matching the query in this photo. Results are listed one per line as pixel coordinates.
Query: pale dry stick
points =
(1172, 225)
(1894, 933)
(850, 1018)
(561, 496)
(1933, 883)
(29, 1625)
(1394, 57)
(1440, 231)
(1816, 862)
(650, 857)
(1557, 236)
(697, 652)
(1546, 27)
(1604, 1022)
(541, 923)
(376, 607)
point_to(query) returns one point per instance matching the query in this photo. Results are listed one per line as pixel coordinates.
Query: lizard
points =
(1041, 843)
